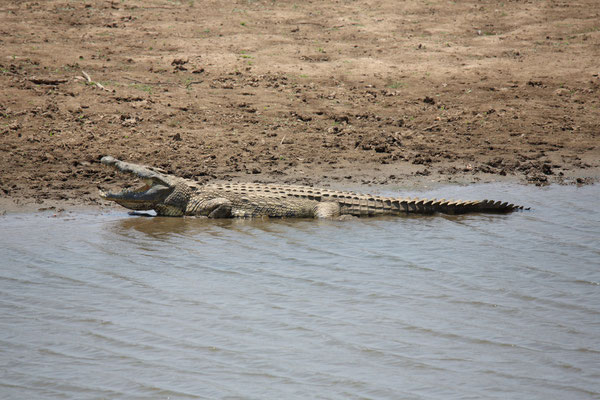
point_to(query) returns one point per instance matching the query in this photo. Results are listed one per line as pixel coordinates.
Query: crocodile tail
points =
(463, 207)
(373, 206)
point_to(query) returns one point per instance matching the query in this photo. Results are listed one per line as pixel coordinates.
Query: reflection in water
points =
(478, 306)
(157, 227)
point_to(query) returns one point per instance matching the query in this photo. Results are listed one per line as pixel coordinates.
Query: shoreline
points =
(28, 205)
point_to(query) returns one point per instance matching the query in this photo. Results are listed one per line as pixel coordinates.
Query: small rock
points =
(547, 169)
(381, 148)
(535, 83)
(129, 122)
(179, 61)
(537, 179)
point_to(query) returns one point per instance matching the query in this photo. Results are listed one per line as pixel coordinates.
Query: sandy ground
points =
(340, 93)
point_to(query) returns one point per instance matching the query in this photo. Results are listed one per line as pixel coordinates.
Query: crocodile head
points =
(157, 187)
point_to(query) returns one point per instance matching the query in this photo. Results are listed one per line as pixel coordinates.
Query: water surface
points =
(105, 305)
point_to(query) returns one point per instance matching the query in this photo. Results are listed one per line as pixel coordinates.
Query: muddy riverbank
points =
(329, 93)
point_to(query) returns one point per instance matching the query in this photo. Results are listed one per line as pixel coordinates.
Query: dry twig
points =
(91, 82)
(47, 81)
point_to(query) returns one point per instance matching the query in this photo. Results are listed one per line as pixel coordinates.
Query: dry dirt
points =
(339, 93)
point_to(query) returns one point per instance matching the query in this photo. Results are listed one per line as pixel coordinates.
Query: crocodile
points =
(170, 195)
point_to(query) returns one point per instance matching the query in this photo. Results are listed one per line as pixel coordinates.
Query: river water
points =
(105, 305)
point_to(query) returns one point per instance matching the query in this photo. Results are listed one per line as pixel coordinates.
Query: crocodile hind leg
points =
(327, 209)
(222, 211)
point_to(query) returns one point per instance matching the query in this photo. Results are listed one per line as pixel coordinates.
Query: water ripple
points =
(499, 307)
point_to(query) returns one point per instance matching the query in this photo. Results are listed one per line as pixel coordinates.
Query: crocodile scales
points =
(169, 195)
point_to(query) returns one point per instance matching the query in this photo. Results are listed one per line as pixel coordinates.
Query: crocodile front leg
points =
(214, 208)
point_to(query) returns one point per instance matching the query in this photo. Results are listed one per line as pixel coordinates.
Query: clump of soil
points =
(341, 93)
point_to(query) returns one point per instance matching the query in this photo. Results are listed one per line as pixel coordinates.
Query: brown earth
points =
(340, 93)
